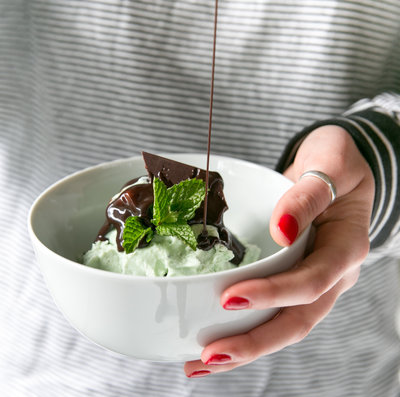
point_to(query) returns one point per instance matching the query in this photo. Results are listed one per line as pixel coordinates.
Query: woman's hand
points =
(307, 292)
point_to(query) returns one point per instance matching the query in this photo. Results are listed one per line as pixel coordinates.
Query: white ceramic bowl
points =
(160, 319)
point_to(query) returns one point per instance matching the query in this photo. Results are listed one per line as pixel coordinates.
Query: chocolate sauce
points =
(133, 200)
(204, 233)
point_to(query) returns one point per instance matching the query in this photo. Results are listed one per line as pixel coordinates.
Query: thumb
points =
(338, 157)
(297, 208)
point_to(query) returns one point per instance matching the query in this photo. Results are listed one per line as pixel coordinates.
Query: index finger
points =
(332, 257)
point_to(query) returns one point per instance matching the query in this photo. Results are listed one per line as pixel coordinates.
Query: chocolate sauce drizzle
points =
(204, 232)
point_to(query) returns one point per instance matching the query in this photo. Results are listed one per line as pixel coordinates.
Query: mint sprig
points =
(173, 207)
(134, 232)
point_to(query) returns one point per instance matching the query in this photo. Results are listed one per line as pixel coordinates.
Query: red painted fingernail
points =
(289, 227)
(218, 359)
(199, 374)
(236, 303)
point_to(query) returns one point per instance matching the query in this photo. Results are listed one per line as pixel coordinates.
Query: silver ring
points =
(325, 178)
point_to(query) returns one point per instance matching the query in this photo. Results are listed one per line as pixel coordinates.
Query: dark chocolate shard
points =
(172, 172)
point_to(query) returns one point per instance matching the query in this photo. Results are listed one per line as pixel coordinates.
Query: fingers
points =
(320, 271)
(291, 326)
(331, 270)
(341, 243)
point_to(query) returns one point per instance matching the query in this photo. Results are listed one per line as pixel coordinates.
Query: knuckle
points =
(247, 349)
(271, 290)
(303, 330)
(352, 278)
(315, 286)
(356, 253)
(315, 290)
(306, 203)
(363, 249)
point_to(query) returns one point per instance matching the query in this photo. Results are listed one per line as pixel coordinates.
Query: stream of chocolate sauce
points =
(204, 233)
(136, 199)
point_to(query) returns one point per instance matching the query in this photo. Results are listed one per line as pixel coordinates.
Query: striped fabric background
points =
(83, 82)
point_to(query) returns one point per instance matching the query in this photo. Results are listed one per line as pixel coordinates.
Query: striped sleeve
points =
(374, 125)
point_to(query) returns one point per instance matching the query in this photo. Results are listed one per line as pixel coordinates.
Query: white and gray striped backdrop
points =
(83, 82)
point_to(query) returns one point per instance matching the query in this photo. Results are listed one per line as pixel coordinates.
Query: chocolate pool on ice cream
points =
(154, 317)
(214, 249)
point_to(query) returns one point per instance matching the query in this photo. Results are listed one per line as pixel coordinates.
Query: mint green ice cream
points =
(165, 256)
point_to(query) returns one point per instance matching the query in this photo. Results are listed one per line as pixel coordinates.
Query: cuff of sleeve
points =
(376, 132)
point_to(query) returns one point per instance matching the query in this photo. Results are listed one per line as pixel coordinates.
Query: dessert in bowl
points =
(152, 317)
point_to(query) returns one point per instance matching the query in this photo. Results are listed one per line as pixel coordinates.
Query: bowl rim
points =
(121, 276)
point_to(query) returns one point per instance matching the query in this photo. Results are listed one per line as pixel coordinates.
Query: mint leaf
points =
(181, 230)
(186, 197)
(134, 231)
(161, 201)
